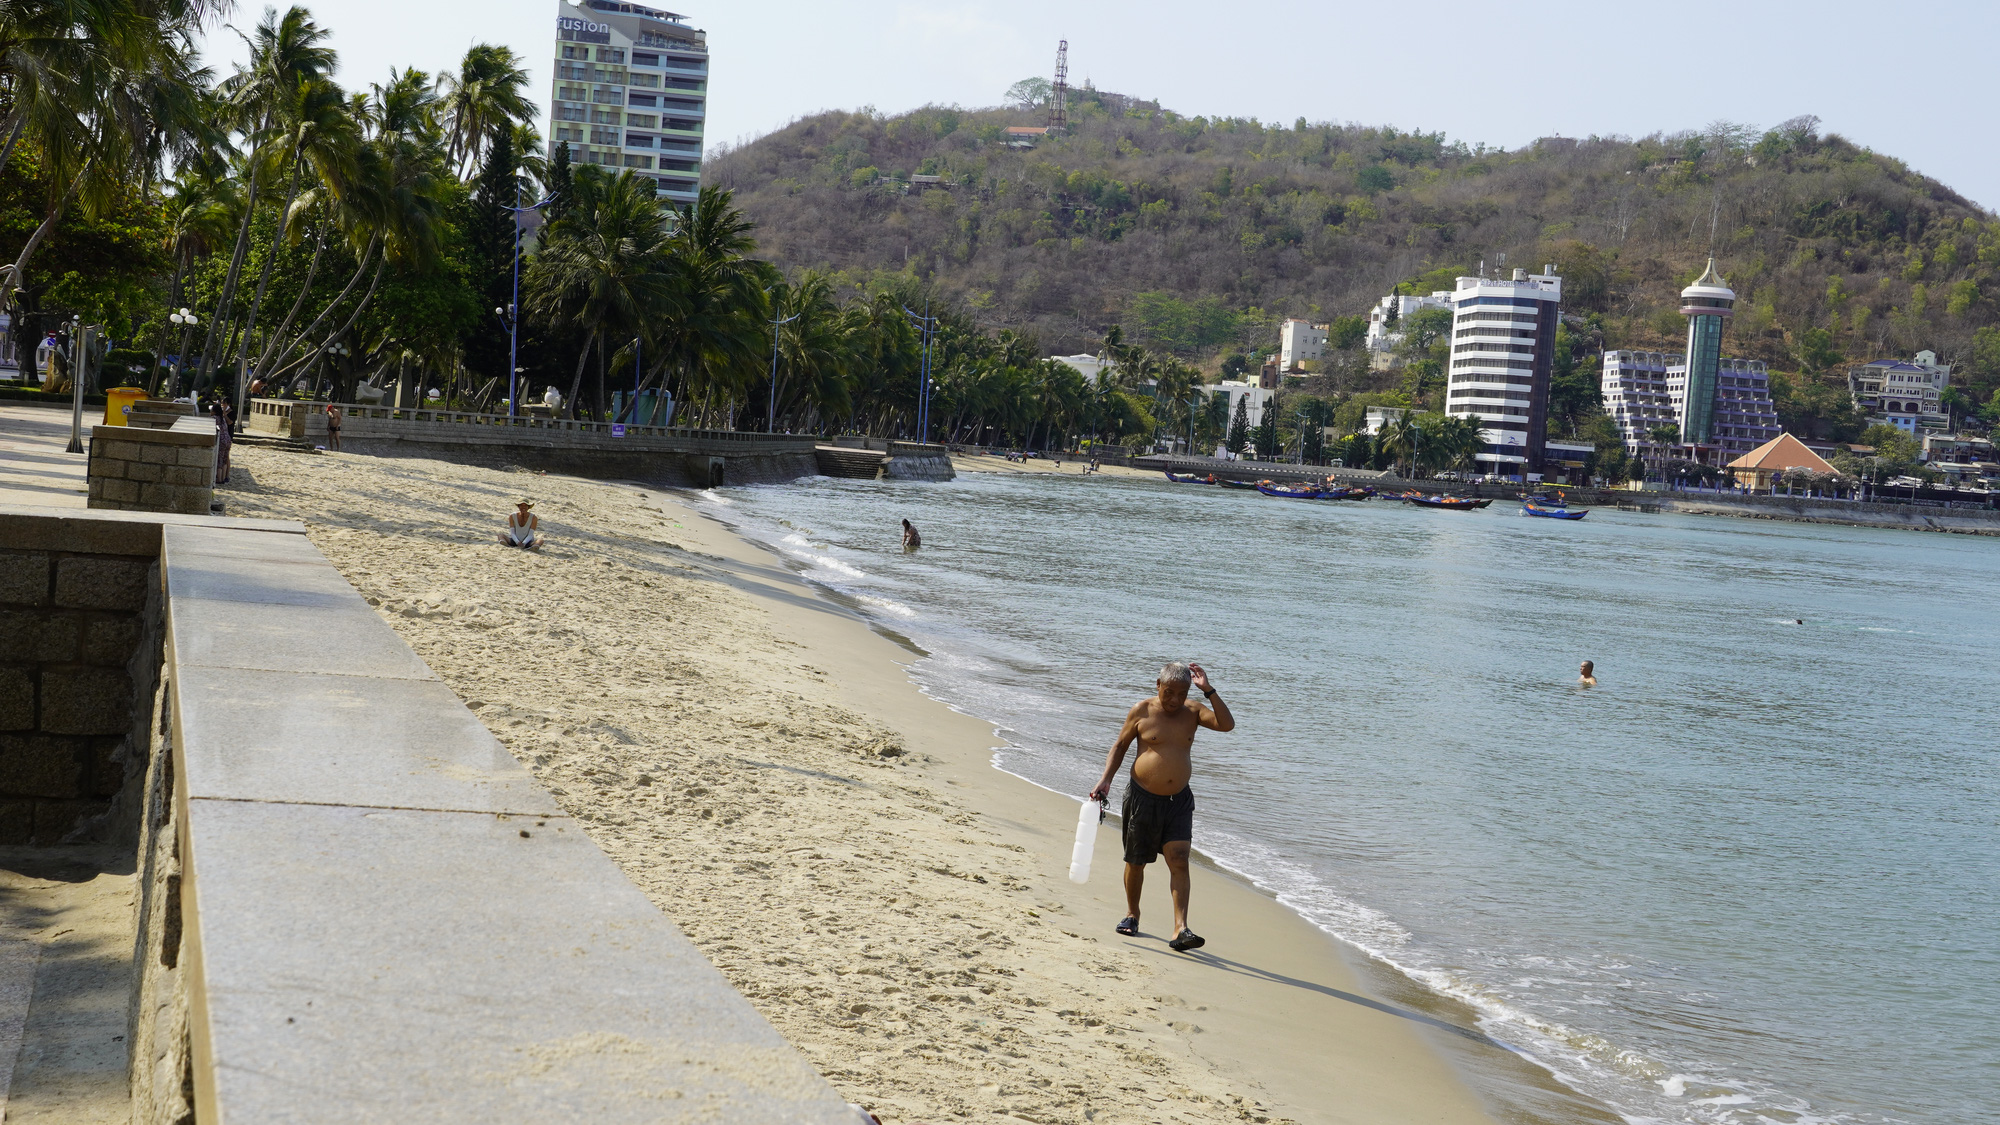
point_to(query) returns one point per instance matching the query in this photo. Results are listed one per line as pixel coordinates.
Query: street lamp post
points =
(80, 341)
(928, 325)
(339, 350)
(187, 320)
(771, 412)
(513, 313)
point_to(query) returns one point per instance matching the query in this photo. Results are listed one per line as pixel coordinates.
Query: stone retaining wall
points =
(135, 468)
(355, 904)
(74, 631)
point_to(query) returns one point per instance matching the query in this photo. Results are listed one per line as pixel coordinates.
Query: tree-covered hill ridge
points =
(1199, 234)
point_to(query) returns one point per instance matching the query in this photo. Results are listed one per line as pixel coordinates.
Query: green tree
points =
(602, 269)
(1029, 93)
(483, 102)
(815, 349)
(1816, 351)
(1239, 425)
(1265, 435)
(1346, 332)
(1574, 385)
(560, 184)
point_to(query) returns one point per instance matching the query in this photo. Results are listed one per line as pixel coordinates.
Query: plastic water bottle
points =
(1086, 840)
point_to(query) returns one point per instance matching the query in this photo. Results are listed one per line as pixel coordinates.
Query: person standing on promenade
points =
(1158, 814)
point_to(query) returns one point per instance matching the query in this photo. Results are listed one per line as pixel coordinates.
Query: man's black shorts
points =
(1153, 821)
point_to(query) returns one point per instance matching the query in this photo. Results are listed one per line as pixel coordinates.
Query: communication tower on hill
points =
(1059, 99)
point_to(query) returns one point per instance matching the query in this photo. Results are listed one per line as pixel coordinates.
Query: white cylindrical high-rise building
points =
(1503, 336)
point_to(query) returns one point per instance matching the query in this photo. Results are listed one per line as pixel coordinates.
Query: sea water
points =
(1752, 876)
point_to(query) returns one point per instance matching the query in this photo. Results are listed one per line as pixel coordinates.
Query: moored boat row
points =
(1548, 505)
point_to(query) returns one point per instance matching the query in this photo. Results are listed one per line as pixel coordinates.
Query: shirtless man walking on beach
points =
(1158, 813)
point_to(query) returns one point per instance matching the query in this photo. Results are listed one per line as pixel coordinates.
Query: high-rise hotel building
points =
(1720, 408)
(1503, 337)
(631, 91)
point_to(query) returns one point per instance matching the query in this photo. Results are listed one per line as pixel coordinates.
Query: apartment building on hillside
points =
(1502, 350)
(1298, 341)
(631, 91)
(1644, 391)
(1387, 317)
(1904, 393)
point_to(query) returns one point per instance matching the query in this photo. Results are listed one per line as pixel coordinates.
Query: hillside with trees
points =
(1198, 235)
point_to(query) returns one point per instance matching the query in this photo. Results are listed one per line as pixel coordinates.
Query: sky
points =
(1884, 76)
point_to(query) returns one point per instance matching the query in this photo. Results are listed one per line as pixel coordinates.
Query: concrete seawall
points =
(1962, 521)
(352, 902)
(661, 455)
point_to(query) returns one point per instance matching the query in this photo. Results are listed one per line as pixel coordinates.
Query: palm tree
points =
(104, 89)
(712, 334)
(1398, 438)
(814, 349)
(1663, 437)
(391, 205)
(483, 98)
(603, 267)
(200, 213)
(284, 52)
(315, 132)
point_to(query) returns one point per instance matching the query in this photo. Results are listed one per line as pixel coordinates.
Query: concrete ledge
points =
(112, 533)
(366, 964)
(377, 914)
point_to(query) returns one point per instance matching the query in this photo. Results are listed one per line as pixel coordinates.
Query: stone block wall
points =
(151, 470)
(76, 645)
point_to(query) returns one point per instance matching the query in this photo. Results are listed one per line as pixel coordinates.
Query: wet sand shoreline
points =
(757, 760)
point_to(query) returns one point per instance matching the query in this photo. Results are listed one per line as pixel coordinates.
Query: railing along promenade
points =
(306, 420)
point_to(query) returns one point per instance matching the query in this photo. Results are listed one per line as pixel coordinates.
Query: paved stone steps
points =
(268, 441)
(852, 464)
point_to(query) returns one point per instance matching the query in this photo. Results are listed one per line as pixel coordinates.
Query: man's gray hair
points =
(1176, 673)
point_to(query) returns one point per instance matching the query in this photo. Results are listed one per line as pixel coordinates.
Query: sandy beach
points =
(988, 463)
(758, 762)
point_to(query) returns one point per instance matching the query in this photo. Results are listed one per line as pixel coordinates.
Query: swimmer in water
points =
(911, 540)
(1587, 674)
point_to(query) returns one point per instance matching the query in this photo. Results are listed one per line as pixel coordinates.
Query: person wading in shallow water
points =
(1158, 813)
(911, 540)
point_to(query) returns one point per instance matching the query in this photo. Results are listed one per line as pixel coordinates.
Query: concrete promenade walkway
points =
(34, 470)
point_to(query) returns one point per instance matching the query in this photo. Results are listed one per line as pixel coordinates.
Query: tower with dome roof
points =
(1707, 304)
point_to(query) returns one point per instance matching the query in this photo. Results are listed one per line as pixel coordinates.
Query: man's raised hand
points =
(1200, 677)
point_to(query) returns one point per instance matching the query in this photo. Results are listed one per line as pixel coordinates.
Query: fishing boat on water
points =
(1242, 485)
(1445, 502)
(1550, 507)
(1289, 491)
(1180, 479)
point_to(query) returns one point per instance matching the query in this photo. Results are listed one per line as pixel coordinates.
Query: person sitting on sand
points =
(523, 528)
(1158, 813)
(911, 540)
(1588, 676)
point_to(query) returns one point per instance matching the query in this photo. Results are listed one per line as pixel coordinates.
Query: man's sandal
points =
(1130, 926)
(1187, 940)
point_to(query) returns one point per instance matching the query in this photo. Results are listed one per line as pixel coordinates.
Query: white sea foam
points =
(892, 608)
